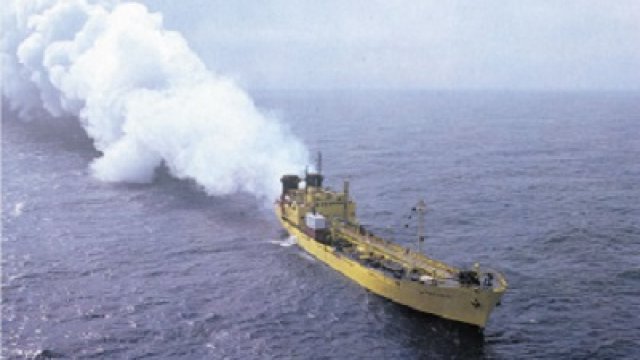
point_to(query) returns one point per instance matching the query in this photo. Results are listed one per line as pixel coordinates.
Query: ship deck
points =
(399, 262)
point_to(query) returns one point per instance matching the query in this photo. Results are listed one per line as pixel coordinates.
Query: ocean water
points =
(542, 186)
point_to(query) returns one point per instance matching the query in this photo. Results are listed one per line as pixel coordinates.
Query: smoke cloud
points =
(142, 95)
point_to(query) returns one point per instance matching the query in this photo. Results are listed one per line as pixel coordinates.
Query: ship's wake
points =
(142, 95)
(291, 240)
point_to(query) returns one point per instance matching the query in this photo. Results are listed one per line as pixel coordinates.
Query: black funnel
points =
(314, 180)
(289, 182)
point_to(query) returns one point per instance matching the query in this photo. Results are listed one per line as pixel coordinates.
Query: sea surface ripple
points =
(542, 186)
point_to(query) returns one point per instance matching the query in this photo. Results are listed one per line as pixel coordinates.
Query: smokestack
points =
(289, 182)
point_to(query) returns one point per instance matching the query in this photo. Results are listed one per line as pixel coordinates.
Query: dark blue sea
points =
(544, 187)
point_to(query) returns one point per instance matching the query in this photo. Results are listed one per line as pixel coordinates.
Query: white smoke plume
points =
(142, 95)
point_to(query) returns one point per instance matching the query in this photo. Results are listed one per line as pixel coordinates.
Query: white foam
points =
(291, 240)
(18, 208)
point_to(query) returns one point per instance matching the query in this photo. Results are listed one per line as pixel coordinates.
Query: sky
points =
(482, 44)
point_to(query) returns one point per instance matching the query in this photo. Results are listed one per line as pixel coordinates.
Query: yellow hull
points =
(465, 304)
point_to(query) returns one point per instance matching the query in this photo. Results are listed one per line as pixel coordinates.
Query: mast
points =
(421, 208)
(345, 202)
(314, 179)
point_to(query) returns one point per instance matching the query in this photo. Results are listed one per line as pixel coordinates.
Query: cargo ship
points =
(323, 223)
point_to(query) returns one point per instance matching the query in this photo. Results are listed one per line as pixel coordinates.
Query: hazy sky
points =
(524, 44)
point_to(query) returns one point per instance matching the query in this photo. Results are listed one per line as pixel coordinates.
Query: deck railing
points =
(399, 253)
